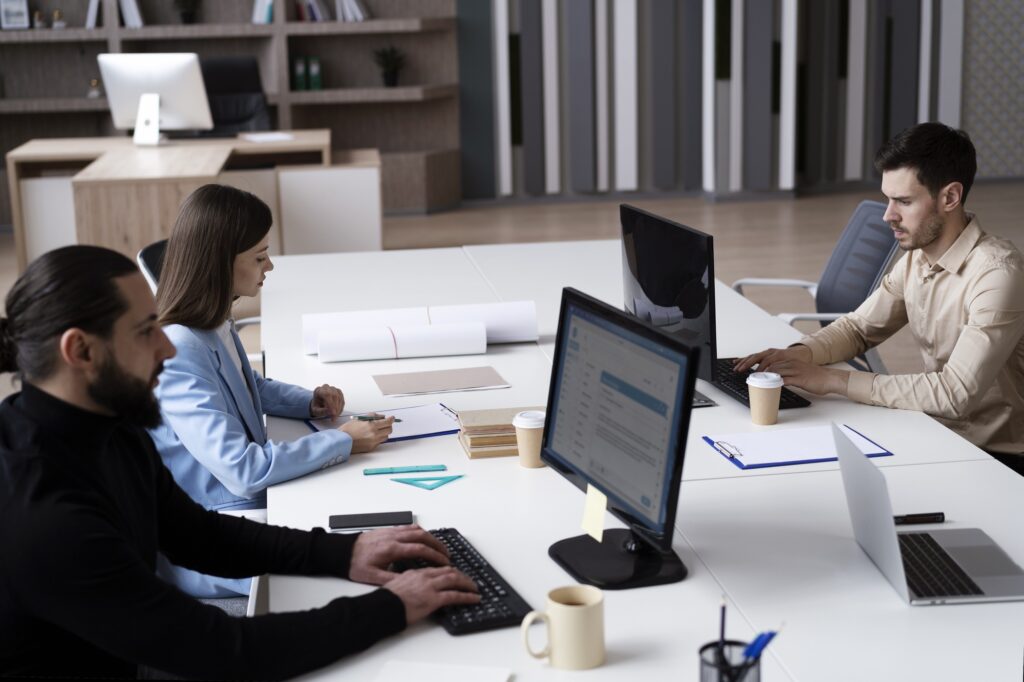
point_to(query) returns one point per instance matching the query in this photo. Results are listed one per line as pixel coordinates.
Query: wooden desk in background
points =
(125, 197)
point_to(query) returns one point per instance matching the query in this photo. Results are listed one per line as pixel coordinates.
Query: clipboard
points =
(785, 447)
(421, 421)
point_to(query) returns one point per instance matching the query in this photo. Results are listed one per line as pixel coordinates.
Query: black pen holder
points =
(727, 663)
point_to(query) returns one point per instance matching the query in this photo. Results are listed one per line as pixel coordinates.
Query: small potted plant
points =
(188, 10)
(390, 60)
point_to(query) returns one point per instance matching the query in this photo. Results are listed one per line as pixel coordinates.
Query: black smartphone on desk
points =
(374, 520)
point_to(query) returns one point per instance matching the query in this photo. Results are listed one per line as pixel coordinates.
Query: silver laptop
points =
(948, 566)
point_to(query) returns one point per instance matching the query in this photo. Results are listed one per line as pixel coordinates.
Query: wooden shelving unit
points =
(45, 74)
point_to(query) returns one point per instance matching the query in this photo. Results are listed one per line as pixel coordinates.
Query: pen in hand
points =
(372, 417)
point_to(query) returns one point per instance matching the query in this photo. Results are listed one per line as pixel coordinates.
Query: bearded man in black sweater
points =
(86, 504)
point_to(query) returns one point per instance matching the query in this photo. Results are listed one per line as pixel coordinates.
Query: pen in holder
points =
(726, 662)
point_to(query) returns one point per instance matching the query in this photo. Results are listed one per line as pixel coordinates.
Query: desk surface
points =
(776, 541)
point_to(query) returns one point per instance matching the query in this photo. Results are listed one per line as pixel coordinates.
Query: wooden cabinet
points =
(45, 75)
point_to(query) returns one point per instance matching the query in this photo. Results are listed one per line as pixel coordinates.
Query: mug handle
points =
(527, 622)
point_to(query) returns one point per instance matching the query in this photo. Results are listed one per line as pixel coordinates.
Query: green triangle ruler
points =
(427, 482)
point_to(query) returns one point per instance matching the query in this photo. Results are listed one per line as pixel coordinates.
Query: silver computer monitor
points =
(151, 92)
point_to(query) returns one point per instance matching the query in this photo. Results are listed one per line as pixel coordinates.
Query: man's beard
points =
(929, 232)
(128, 397)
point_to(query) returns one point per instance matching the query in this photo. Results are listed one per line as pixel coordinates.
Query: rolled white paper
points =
(507, 322)
(409, 341)
(315, 323)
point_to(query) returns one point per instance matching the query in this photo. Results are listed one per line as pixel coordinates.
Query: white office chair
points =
(865, 252)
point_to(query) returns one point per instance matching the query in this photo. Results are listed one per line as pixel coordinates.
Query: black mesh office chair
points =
(864, 253)
(235, 93)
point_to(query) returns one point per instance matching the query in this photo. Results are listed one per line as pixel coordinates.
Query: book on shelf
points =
(484, 451)
(92, 13)
(350, 10)
(130, 14)
(262, 11)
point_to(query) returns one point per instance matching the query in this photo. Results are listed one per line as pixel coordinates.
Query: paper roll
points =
(507, 322)
(313, 324)
(409, 341)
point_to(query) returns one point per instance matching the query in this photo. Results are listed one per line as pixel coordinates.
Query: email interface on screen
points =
(617, 399)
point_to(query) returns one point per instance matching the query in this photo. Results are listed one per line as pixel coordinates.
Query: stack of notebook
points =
(489, 433)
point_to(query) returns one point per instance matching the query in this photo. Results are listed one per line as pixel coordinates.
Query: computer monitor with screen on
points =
(151, 92)
(618, 412)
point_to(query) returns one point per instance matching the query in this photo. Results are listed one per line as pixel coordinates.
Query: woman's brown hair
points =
(214, 225)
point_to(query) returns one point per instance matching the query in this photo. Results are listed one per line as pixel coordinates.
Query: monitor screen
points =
(618, 413)
(669, 279)
(173, 78)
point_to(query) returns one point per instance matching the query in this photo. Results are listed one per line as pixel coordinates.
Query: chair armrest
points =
(790, 318)
(811, 287)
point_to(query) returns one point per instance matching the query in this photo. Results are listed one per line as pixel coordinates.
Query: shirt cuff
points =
(370, 617)
(819, 351)
(859, 386)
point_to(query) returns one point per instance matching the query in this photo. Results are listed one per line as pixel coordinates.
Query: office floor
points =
(774, 238)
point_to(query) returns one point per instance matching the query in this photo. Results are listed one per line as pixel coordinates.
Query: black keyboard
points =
(931, 572)
(735, 384)
(500, 606)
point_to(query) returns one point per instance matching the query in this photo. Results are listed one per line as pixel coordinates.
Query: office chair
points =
(864, 253)
(151, 260)
(235, 93)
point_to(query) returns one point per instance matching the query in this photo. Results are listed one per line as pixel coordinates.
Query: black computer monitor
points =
(668, 272)
(618, 412)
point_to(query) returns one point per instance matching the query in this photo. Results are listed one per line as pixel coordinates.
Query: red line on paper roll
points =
(394, 341)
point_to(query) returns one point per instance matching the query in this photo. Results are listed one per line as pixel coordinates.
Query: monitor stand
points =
(147, 121)
(620, 562)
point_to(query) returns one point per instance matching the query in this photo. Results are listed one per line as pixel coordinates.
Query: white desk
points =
(777, 541)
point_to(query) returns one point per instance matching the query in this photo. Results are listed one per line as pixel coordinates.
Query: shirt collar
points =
(957, 254)
(65, 421)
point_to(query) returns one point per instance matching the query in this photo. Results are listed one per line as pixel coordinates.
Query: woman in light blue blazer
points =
(213, 437)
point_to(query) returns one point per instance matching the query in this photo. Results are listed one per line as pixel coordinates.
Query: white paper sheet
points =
(775, 446)
(506, 322)
(267, 137)
(411, 671)
(414, 341)
(421, 421)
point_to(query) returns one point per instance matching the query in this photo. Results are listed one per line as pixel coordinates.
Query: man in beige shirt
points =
(960, 290)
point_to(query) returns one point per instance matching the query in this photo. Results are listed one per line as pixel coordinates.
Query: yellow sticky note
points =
(593, 513)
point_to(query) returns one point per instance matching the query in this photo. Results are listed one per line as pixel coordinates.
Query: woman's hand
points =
(367, 435)
(327, 401)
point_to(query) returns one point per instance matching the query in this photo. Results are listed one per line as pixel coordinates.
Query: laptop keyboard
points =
(500, 606)
(931, 572)
(735, 384)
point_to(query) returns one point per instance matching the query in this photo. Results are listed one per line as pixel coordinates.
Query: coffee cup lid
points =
(531, 419)
(765, 380)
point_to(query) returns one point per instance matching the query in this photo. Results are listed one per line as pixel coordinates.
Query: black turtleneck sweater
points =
(86, 504)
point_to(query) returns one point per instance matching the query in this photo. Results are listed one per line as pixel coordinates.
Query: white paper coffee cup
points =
(765, 389)
(529, 430)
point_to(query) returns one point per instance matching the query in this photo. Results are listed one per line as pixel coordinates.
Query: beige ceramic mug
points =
(765, 389)
(529, 427)
(575, 619)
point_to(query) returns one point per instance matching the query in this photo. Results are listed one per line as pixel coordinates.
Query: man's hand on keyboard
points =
(767, 358)
(425, 590)
(375, 550)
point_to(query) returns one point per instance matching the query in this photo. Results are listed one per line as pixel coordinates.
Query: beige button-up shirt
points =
(966, 312)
